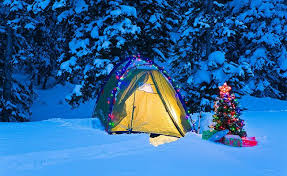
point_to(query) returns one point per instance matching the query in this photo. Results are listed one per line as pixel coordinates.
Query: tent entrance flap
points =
(165, 105)
(150, 115)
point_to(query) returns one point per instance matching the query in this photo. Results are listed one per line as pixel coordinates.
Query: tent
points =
(138, 96)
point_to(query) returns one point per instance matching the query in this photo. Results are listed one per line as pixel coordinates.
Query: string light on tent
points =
(120, 76)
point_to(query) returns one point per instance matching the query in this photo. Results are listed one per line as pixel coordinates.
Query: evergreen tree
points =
(200, 63)
(262, 44)
(203, 43)
(102, 32)
(158, 21)
(227, 113)
(16, 97)
(26, 55)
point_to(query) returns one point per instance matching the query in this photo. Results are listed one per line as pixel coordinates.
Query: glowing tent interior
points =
(138, 96)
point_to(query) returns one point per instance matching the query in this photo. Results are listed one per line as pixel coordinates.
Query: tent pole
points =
(130, 130)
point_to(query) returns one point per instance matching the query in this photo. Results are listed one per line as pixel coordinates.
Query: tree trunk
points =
(7, 85)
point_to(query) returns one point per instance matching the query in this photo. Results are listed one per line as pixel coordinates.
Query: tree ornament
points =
(227, 113)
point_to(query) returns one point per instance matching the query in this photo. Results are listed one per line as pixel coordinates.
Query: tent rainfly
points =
(138, 96)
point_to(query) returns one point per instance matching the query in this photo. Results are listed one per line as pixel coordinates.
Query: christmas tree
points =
(227, 113)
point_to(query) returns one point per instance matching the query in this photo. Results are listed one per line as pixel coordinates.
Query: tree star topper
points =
(225, 88)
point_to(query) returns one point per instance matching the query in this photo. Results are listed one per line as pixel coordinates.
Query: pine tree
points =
(16, 97)
(262, 44)
(227, 113)
(24, 56)
(202, 59)
(102, 33)
(158, 20)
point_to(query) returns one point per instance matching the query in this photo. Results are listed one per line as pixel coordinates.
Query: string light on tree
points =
(227, 113)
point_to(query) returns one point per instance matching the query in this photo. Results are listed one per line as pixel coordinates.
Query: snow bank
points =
(263, 104)
(216, 57)
(52, 104)
(80, 146)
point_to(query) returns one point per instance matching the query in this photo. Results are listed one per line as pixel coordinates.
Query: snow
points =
(51, 104)
(66, 141)
(77, 90)
(14, 5)
(200, 77)
(124, 27)
(29, 26)
(67, 65)
(109, 68)
(63, 15)
(263, 104)
(39, 5)
(103, 63)
(125, 10)
(153, 19)
(156, 50)
(95, 32)
(216, 57)
(283, 60)
(59, 4)
(79, 46)
(80, 6)
(106, 44)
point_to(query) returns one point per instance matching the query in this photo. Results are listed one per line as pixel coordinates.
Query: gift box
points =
(207, 134)
(249, 141)
(233, 140)
(218, 135)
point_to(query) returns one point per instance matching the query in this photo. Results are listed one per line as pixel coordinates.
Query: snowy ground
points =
(71, 144)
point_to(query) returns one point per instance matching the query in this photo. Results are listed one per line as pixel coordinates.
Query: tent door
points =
(164, 103)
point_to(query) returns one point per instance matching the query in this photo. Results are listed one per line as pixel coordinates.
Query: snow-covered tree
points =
(16, 97)
(102, 33)
(263, 44)
(29, 42)
(205, 55)
(158, 20)
(203, 43)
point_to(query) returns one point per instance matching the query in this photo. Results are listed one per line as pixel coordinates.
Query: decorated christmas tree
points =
(227, 113)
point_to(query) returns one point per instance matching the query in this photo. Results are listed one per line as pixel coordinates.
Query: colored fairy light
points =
(225, 88)
(227, 114)
(120, 75)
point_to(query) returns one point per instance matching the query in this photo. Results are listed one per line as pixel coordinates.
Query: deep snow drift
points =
(70, 143)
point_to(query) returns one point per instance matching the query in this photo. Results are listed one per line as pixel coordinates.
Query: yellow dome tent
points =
(138, 97)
